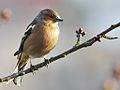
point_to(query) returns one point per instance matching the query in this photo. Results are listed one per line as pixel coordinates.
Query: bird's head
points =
(47, 15)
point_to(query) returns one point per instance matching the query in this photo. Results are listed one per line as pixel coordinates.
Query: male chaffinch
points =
(39, 39)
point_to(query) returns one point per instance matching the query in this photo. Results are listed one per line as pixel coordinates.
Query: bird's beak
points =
(58, 19)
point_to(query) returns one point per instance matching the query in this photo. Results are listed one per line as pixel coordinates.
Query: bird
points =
(41, 36)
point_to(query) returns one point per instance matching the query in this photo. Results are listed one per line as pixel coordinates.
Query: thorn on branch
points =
(97, 38)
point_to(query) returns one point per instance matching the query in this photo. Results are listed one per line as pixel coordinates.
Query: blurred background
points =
(86, 69)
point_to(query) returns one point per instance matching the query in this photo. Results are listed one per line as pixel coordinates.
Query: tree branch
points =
(73, 49)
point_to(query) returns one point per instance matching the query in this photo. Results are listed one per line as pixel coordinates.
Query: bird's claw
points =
(33, 69)
(46, 62)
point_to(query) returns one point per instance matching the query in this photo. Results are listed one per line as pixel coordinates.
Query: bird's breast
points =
(41, 41)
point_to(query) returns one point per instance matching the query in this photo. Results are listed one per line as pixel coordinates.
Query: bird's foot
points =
(33, 69)
(46, 62)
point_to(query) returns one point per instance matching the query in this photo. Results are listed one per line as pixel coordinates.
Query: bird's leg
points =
(46, 62)
(32, 67)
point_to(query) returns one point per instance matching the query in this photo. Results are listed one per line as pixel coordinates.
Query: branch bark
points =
(62, 55)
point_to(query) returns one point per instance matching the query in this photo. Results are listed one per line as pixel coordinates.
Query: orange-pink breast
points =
(42, 40)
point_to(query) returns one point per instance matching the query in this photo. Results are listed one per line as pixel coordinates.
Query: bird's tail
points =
(22, 61)
(17, 81)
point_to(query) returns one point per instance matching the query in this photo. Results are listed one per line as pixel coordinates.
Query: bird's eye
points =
(51, 16)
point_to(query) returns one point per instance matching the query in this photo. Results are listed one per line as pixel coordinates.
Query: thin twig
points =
(57, 57)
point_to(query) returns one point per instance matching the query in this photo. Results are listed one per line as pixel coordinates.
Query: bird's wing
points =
(26, 35)
(19, 52)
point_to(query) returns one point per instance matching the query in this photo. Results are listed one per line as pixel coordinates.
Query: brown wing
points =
(26, 35)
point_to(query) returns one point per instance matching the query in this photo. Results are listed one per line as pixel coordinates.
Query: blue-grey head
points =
(48, 15)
